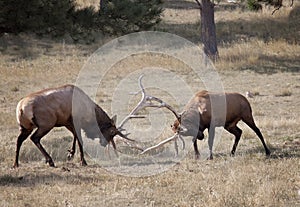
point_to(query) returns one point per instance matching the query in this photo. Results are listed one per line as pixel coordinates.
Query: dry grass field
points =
(258, 53)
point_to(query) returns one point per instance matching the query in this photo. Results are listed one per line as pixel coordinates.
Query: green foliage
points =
(58, 17)
(121, 17)
(40, 16)
(271, 2)
(254, 5)
(84, 21)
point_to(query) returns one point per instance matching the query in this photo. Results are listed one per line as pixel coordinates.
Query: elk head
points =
(109, 131)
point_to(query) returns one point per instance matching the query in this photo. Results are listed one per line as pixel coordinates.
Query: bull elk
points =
(66, 106)
(201, 113)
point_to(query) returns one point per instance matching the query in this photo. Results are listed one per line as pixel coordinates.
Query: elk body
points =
(199, 115)
(66, 106)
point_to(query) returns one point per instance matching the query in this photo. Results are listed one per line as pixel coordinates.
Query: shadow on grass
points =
(188, 5)
(266, 29)
(28, 46)
(10, 180)
(271, 65)
(179, 4)
(51, 176)
(229, 32)
(19, 46)
(277, 152)
(72, 174)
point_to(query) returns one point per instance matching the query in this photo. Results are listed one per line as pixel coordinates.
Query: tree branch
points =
(199, 4)
(277, 9)
(279, 5)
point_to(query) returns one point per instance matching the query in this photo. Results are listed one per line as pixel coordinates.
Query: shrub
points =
(253, 5)
(122, 17)
(58, 17)
(39, 16)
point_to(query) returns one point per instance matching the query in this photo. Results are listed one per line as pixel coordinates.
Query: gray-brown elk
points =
(207, 110)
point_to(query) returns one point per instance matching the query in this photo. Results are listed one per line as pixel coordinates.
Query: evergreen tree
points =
(57, 17)
(121, 17)
(40, 16)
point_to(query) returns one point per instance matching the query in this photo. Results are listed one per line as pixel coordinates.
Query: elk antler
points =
(174, 137)
(115, 148)
(146, 101)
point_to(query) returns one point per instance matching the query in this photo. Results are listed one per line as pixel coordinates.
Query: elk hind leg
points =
(21, 138)
(250, 122)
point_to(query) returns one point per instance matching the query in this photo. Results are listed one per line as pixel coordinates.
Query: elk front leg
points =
(82, 160)
(36, 138)
(200, 136)
(77, 136)
(196, 150)
(237, 132)
(211, 136)
(72, 150)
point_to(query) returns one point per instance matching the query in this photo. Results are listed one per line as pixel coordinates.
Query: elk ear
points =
(114, 119)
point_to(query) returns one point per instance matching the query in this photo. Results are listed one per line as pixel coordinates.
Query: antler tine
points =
(174, 137)
(163, 104)
(160, 144)
(153, 98)
(114, 147)
(138, 107)
(141, 85)
(182, 140)
(146, 101)
(176, 145)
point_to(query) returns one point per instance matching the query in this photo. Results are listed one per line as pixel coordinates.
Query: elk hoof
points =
(83, 163)
(51, 163)
(70, 155)
(15, 166)
(210, 157)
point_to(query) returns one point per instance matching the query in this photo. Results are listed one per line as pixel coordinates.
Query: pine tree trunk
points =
(208, 29)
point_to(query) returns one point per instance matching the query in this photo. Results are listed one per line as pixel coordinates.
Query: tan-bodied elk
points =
(208, 110)
(66, 106)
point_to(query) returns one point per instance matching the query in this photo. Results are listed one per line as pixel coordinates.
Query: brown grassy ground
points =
(268, 68)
